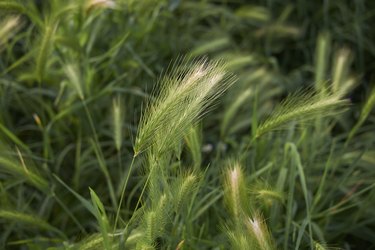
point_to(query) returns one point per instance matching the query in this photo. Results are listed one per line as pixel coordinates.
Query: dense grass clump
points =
(187, 124)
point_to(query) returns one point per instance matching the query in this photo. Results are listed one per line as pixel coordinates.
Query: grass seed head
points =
(301, 107)
(8, 27)
(183, 99)
(118, 119)
(235, 192)
(258, 230)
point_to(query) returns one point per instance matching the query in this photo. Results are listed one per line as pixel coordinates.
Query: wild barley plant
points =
(366, 109)
(182, 100)
(247, 229)
(302, 107)
(8, 27)
(185, 95)
(117, 122)
(26, 60)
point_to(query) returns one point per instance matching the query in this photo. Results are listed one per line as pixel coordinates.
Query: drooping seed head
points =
(182, 100)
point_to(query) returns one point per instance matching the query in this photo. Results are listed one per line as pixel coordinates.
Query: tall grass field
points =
(187, 124)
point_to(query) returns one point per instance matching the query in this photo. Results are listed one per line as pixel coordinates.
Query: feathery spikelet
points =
(369, 105)
(366, 109)
(118, 119)
(154, 222)
(258, 230)
(269, 195)
(46, 45)
(75, 79)
(193, 141)
(100, 4)
(319, 246)
(252, 233)
(248, 230)
(302, 107)
(183, 99)
(240, 240)
(322, 53)
(235, 192)
(234, 182)
(323, 246)
(8, 27)
(182, 187)
(95, 241)
(265, 193)
(341, 69)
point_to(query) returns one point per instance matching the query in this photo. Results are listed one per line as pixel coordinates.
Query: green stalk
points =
(139, 200)
(123, 193)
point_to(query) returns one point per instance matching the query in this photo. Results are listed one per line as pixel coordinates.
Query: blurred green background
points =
(64, 65)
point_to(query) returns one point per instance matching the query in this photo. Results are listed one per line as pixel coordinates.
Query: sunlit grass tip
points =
(301, 107)
(184, 96)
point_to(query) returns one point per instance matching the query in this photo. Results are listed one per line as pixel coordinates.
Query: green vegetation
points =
(187, 124)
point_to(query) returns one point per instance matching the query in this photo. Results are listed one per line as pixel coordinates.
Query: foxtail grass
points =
(9, 26)
(302, 107)
(105, 172)
(182, 100)
(117, 123)
(46, 46)
(322, 56)
(246, 229)
(185, 95)
(366, 109)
